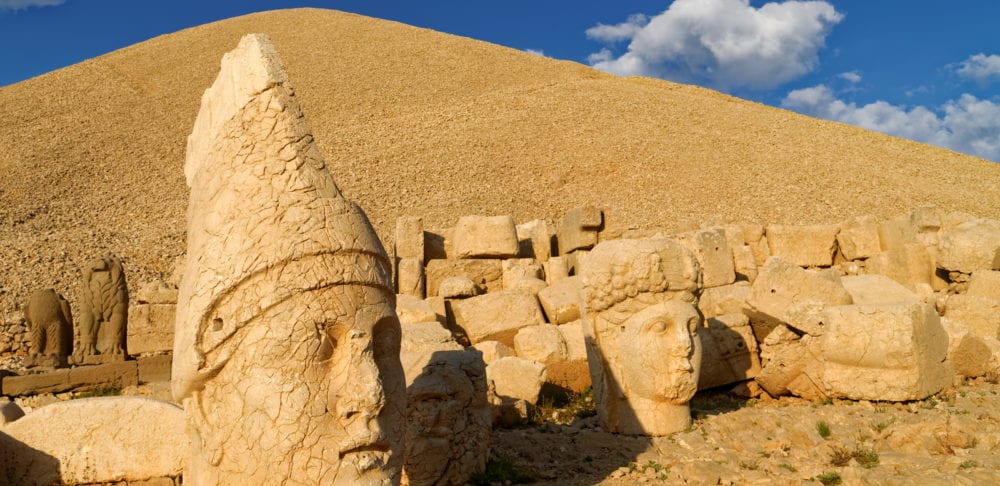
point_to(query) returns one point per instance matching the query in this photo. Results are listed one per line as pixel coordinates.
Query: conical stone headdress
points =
(266, 220)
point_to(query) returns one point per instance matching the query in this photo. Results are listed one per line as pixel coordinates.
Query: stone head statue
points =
(641, 321)
(286, 352)
(448, 420)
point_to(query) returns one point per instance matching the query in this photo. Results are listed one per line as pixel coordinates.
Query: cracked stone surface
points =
(286, 351)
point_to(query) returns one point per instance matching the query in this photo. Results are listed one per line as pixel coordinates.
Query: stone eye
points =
(658, 326)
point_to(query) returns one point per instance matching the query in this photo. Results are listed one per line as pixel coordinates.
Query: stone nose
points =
(362, 393)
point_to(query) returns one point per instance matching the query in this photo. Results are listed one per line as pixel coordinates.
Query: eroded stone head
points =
(642, 324)
(286, 351)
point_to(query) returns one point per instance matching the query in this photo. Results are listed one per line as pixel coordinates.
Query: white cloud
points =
(980, 68)
(968, 124)
(618, 32)
(850, 77)
(23, 4)
(537, 52)
(721, 43)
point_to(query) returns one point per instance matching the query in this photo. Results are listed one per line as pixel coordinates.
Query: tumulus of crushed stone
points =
(416, 122)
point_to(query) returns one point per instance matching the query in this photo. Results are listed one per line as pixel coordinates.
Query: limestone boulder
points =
(885, 352)
(985, 283)
(711, 248)
(970, 246)
(95, 440)
(457, 287)
(419, 342)
(409, 238)
(877, 290)
(527, 285)
(497, 316)
(805, 246)
(561, 300)
(487, 274)
(534, 240)
(493, 350)
(728, 351)
(897, 233)
(744, 263)
(517, 378)
(859, 238)
(557, 268)
(783, 290)
(727, 299)
(515, 269)
(981, 316)
(794, 367)
(413, 309)
(543, 343)
(968, 353)
(579, 228)
(410, 277)
(150, 328)
(485, 237)
(909, 264)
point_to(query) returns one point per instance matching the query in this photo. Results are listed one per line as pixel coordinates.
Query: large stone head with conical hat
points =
(286, 353)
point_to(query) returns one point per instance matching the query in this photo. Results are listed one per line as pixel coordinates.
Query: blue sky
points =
(919, 69)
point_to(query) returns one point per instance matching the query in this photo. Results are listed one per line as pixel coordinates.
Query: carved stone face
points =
(303, 392)
(658, 356)
(448, 421)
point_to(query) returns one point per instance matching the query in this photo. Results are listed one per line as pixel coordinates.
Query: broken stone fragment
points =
(497, 316)
(485, 237)
(579, 228)
(561, 300)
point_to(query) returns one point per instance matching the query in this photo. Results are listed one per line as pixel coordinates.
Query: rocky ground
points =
(949, 439)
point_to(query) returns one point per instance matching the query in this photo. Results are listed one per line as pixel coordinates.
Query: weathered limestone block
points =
(561, 300)
(642, 328)
(410, 277)
(516, 269)
(578, 229)
(970, 246)
(457, 287)
(859, 238)
(413, 309)
(117, 374)
(154, 369)
(103, 312)
(715, 258)
(448, 420)
(94, 440)
(534, 240)
(753, 236)
(782, 288)
(728, 351)
(927, 221)
(981, 316)
(543, 343)
(409, 239)
(50, 323)
(497, 316)
(574, 372)
(574, 337)
(419, 341)
(727, 299)
(744, 263)
(877, 290)
(150, 328)
(909, 264)
(438, 244)
(517, 378)
(527, 285)
(485, 237)
(885, 352)
(9, 411)
(493, 350)
(286, 351)
(805, 246)
(985, 283)
(486, 274)
(897, 233)
(794, 368)
(556, 269)
(967, 352)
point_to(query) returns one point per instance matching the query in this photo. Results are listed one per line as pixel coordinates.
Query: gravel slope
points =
(418, 122)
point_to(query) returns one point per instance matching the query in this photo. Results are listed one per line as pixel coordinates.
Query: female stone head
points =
(642, 326)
